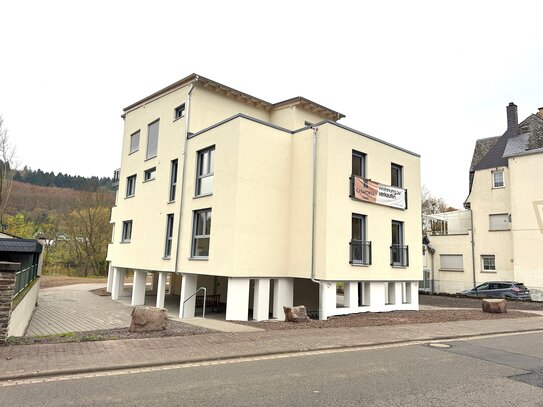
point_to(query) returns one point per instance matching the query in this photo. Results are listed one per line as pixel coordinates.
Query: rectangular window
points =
(149, 174)
(488, 262)
(134, 142)
(499, 221)
(204, 179)
(179, 112)
(399, 255)
(360, 248)
(201, 232)
(396, 175)
(173, 180)
(127, 231)
(130, 186)
(359, 164)
(454, 262)
(152, 139)
(498, 180)
(169, 236)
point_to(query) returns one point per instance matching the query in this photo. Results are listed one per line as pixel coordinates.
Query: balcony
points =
(116, 177)
(360, 253)
(447, 223)
(399, 255)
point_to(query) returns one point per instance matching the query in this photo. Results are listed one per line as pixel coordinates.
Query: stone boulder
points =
(296, 314)
(148, 319)
(496, 306)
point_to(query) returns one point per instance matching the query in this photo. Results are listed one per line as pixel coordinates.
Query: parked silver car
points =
(500, 289)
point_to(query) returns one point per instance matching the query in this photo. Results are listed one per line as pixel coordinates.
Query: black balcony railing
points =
(116, 177)
(399, 255)
(360, 252)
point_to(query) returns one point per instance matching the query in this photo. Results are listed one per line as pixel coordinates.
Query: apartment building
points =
(500, 233)
(264, 204)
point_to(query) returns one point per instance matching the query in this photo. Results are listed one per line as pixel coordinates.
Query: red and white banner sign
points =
(370, 191)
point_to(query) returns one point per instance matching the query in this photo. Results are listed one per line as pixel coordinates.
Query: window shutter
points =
(500, 222)
(451, 261)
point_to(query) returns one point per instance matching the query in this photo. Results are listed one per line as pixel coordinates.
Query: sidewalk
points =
(25, 361)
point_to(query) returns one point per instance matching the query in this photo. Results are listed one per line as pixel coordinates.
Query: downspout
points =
(313, 210)
(187, 123)
(472, 249)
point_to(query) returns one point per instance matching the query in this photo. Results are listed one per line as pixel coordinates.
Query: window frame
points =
(179, 112)
(365, 259)
(126, 233)
(399, 169)
(211, 167)
(196, 237)
(150, 171)
(441, 267)
(130, 186)
(169, 236)
(174, 169)
(130, 150)
(147, 155)
(488, 257)
(494, 172)
(362, 157)
(402, 248)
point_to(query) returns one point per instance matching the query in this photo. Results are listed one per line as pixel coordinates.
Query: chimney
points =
(540, 113)
(512, 118)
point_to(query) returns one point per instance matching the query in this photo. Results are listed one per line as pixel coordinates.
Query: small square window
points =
(130, 186)
(127, 231)
(498, 180)
(179, 112)
(488, 262)
(134, 142)
(149, 174)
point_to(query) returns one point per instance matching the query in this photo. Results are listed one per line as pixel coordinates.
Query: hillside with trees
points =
(50, 179)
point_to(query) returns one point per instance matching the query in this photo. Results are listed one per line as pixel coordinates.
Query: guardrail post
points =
(7, 288)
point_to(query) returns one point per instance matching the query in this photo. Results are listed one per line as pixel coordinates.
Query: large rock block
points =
(496, 306)
(296, 314)
(148, 319)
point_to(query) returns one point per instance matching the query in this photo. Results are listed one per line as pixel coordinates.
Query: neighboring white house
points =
(264, 204)
(500, 234)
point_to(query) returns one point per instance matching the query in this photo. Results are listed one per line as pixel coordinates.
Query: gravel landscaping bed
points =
(453, 301)
(173, 328)
(388, 318)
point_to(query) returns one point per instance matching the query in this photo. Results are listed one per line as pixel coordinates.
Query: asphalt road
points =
(494, 371)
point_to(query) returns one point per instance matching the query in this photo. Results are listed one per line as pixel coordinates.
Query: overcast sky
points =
(431, 77)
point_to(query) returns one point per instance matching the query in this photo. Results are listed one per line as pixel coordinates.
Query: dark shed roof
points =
(20, 246)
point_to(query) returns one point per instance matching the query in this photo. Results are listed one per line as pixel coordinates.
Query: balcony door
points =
(397, 243)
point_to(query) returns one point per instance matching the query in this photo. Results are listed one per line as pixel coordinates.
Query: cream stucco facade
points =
(507, 216)
(279, 207)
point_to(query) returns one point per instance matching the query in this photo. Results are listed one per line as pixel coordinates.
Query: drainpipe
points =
(314, 204)
(187, 122)
(472, 249)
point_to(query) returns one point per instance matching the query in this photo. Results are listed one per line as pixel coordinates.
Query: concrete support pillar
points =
(327, 303)
(261, 308)
(237, 303)
(154, 282)
(350, 294)
(413, 288)
(109, 277)
(398, 300)
(283, 295)
(138, 288)
(117, 287)
(377, 296)
(161, 289)
(188, 287)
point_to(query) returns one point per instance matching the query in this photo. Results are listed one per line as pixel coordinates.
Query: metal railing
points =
(116, 178)
(399, 255)
(204, 304)
(24, 277)
(360, 252)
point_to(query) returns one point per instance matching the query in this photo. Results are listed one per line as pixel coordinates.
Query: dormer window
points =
(498, 180)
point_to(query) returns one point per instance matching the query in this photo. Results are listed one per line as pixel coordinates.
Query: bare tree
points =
(7, 167)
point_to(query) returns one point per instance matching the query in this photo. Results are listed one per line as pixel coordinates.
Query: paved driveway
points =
(74, 308)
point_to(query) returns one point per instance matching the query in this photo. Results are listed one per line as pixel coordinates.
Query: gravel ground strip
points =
(456, 301)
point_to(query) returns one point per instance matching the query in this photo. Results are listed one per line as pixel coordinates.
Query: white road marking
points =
(50, 379)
